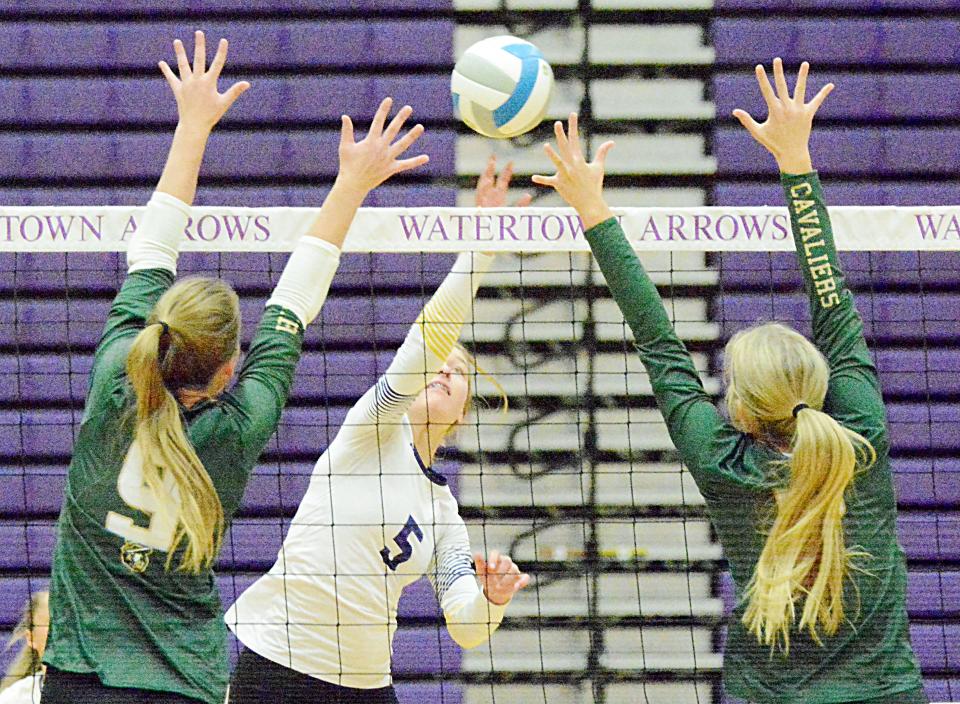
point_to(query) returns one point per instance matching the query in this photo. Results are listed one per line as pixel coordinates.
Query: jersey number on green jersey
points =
(135, 493)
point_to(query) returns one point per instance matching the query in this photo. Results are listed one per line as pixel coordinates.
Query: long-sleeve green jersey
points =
(870, 655)
(118, 612)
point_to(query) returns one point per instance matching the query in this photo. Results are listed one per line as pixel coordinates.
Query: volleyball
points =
(501, 87)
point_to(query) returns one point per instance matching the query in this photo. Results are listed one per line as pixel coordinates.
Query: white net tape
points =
(109, 228)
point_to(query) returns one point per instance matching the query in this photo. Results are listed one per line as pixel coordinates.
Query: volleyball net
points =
(578, 481)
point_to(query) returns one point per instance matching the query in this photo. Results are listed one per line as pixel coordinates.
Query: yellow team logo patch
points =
(135, 557)
(287, 325)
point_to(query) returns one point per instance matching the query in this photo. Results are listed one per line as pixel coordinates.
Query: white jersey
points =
(374, 520)
(25, 691)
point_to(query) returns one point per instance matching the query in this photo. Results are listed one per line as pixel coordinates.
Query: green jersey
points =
(870, 655)
(115, 610)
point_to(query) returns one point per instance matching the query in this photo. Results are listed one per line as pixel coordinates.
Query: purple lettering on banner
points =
(507, 223)
(438, 227)
(413, 227)
(459, 219)
(262, 223)
(752, 226)
(129, 229)
(482, 223)
(928, 228)
(650, 227)
(718, 228)
(701, 225)
(57, 228)
(674, 228)
(38, 229)
(544, 229)
(530, 231)
(781, 225)
(235, 228)
(86, 224)
(203, 228)
(576, 225)
(186, 230)
(8, 219)
(953, 228)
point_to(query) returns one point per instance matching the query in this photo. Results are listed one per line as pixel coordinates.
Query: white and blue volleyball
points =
(501, 87)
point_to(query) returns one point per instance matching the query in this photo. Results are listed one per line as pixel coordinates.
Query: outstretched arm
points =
(691, 417)
(854, 395)
(155, 246)
(364, 165)
(432, 336)
(199, 107)
(267, 373)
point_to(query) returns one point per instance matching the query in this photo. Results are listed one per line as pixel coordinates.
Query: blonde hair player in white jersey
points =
(376, 518)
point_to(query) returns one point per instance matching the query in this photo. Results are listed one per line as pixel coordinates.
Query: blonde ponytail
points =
(27, 660)
(777, 381)
(192, 332)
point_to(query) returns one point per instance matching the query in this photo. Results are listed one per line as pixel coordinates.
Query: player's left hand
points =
(500, 577)
(492, 189)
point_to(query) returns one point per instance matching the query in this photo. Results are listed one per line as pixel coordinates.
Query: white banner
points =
(223, 229)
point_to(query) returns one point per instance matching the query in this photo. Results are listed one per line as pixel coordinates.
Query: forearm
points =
(813, 239)
(471, 618)
(631, 287)
(437, 329)
(337, 213)
(452, 304)
(306, 278)
(837, 327)
(156, 243)
(689, 412)
(180, 173)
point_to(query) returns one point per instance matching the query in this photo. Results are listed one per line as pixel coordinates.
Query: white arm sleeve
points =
(306, 278)
(426, 347)
(156, 244)
(471, 619)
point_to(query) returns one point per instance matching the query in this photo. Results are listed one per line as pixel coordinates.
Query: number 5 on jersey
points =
(136, 494)
(403, 542)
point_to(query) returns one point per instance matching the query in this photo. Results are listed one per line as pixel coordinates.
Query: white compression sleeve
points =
(306, 278)
(471, 618)
(156, 244)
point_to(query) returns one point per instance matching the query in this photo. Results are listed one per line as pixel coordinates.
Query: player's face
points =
(445, 397)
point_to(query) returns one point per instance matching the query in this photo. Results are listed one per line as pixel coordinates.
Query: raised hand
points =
(500, 577)
(366, 164)
(786, 131)
(198, 102)
(492, 189)
(578, 181)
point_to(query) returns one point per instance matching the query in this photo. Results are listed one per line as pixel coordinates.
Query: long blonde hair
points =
(27, 660)
(193, 331)
(770, 370)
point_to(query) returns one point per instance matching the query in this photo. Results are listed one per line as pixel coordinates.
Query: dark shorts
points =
(257, 680)
(914, 696)
(61, 687)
